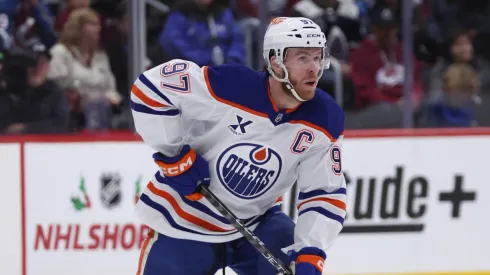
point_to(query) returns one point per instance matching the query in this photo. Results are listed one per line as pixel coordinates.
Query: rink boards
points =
(418, 203)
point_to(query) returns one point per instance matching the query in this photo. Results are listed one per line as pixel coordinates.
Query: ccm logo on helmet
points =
(177, 168)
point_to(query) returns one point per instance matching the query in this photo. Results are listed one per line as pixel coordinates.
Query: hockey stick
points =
(249, 235)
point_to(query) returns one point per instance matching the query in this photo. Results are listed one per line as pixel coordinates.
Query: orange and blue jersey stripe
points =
(142, 78)
(192, 216)
(144, 103)
(329, 204)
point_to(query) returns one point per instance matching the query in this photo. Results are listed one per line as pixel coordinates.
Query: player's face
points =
(304, 65)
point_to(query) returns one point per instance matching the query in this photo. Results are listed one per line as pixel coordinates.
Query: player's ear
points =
(275, 67)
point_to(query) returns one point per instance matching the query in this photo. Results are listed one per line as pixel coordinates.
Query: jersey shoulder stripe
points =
(147, 110)
(167, 86)
(144, 80)
(145, 99)
(237, 86)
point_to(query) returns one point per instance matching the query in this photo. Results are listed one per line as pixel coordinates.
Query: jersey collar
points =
(278, 116)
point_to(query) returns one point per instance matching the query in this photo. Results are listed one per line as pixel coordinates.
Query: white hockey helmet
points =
(293, 32)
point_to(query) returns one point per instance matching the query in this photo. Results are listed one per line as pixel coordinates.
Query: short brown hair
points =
(72, 30)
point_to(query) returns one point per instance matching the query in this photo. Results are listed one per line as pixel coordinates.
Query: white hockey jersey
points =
(255, 152)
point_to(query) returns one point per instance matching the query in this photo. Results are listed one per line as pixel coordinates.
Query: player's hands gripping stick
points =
(184, 171)
(308, 261)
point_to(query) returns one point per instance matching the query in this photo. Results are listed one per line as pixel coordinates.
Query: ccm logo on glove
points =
(184, 172)
(180, 167)
(317, 261)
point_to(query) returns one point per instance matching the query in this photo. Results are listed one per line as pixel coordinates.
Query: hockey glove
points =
(184, 172)
(307, 261)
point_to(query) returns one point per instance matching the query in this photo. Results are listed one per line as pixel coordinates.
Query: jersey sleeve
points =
(322, 198)
(156, 98)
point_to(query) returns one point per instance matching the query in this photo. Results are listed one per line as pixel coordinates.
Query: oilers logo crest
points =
(248, 170)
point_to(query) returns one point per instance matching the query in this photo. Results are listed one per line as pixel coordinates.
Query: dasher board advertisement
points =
(10, 209)
(415, 205)
(80, 201)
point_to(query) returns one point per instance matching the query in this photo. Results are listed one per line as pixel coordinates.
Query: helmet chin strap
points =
(290, 87)
(285, 80)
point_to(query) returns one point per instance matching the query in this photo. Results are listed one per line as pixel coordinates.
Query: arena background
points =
(418, 191)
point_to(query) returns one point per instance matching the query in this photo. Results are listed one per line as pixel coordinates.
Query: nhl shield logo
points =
(110, 189)
(248, 170)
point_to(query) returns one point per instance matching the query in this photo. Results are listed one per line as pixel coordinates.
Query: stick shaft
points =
(248, 234)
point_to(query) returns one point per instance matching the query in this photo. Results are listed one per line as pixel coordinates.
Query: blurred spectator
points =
(246, 8)
(443, 17)
(448, 15)
(29, 103)
(458, 49)
(43, 28)
(288, 9)
(109, 15)
(71, 5)
(377, 69)
(203, 31)
(364, 6)
(478, 22)
(117, 51)
(337, 19)
(16, 12)
(116, 48)
(425, 46)
(79, 65)
(275, 8)
(250, 8)
(457, 104)
(7, 13)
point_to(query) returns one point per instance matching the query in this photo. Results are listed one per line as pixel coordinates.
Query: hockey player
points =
(249, 136)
